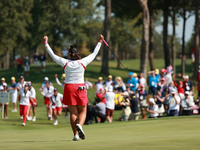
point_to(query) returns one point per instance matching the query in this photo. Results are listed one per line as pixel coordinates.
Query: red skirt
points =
(47, 100)
(74, 96)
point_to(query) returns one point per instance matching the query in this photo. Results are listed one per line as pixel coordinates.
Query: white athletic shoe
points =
(76, 138)
(34, 118)
(29, 118)
(23, 124)
(14, 110)
(55, 123)
(80, 131)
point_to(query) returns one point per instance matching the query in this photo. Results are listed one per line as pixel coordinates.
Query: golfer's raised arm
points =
(91, 57)
(57, 59)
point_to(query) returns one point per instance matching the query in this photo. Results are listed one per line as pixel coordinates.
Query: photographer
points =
(126, 110)
(159, 102)
(135, 113)
(152, 109)
(186, 104)
(100, 110)
(174, 101)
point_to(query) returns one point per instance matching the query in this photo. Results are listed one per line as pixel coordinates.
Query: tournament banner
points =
(4, 97)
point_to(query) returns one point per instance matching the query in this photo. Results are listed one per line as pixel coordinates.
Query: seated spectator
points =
(159, 102)
(188, 85)
(174, 101)
(120, 84)
(101, 95)
(126, 110)
(180, 87)
(100, 111)
(110, 104)
(152, 109)
(135, 113)
(141, 95)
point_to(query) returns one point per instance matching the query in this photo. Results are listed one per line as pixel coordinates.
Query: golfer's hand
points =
(56, 76)
(101, 38)
(45, 39)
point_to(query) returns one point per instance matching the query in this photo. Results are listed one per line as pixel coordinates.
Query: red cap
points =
(142, 85)
(163, 70)
(162, 79)
(180, 82)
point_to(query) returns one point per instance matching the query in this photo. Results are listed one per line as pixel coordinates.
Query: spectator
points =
(180, 87)
(5, 104)
(13, 92)
(174, 101)
(98, 85)
(162, 74)
(168, 76)
(135, 113)
(171, 87)
(162, 86)
(26, 66)
(101, 95)
(110, 104)
(188, 85)
(152, 109)
(126, 110)
(3, 80)
(36, 59)
(152, 83)
(118, 97)
(159, 101)
(64, 53)
(19, 65)
(142, 80)
(88, 84)
(141, 95)
(186, 104)
(43, 61)
(132, 82)
(109, 81)
(100, 111)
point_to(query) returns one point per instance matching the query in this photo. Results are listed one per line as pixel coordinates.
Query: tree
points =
(104, 67)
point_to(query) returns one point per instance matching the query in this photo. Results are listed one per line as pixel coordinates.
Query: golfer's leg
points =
(73, 117)
(82, 110)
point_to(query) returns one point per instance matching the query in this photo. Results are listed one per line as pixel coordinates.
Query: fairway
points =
(164, 133)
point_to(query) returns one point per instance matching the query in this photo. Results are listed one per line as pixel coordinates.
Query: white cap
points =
(110, 88)
(4, 84)
(125, 93)
(46, 79)
(186, 77)
(187, 92)
(152, 100)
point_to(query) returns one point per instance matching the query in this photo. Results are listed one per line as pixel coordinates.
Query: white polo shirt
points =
(25, 97)
(33, 93)
(57, 99)
(48, 92)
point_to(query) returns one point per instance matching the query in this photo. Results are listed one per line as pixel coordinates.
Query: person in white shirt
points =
(47, 93)
(152, 108)
(174, 103)
(13, 92)
(33, 96)
(187, 103)
(110, 103)
(25, 98)
(99, 85)
(109, 81)
(75, 95)
(20, 85)
(56, 100)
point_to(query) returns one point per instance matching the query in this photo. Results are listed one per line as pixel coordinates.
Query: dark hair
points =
(98, 100)
(74, 52)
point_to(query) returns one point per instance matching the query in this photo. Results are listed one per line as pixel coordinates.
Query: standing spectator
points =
(26, 66)
(19, 65)
(126, 110)
(56, 99)
(100, 111)
(162, 87)
(162, 74)
(88, 84)
(33, 105)
(152, 83)
(118, 96)
(64, 53)
(159, 101)
(121, 84)
(3, 80)
(152, 109)
(132, 82)
(13, 91)
(109, 81)
(174, 101)
(142, 80)
(43, 61)
(110, 104)
(141, 95)
(188, 85)
(5, 104)
(47, 93)
(180, 87)
(36, 59)
(135, 113)
(168, 76)
(186, 104)
(98, 85)
(24, 102)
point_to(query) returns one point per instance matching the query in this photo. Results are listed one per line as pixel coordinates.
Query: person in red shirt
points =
(101, 95)
(19, 65)
(180, 87)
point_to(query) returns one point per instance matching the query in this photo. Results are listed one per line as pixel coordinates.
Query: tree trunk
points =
(165, 33)
(183, 44)
(151, 40)
(119, 57)
(196, 64)
(173, 40)
(104, 67)
(145, 37)
(7, 59)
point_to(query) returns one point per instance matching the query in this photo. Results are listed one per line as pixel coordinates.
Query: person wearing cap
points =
(162, 73)
(33, 105)
(13, 91)
(47, 92)
(43, 61)
(19, 65)
(186, 104)
(5, 89)
(152, 109)
(153, 80)
(135, 113)
(174, 103)
(3, 80)
(26, 66)
(21, 84)
(75, 93)
(56, 100)
(141, 95)
(132, 82)
(110, 104)
(188, 85)
(36, 59)
(181, 90)
(25, 98)
(101, 95)
(162, 87)
(98, 85)
(44, 83)
(109, 81)
(125, 104)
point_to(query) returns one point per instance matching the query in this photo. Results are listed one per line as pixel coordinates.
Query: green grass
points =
(162, 133)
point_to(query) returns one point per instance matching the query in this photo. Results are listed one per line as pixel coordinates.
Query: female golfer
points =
(75, 95)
